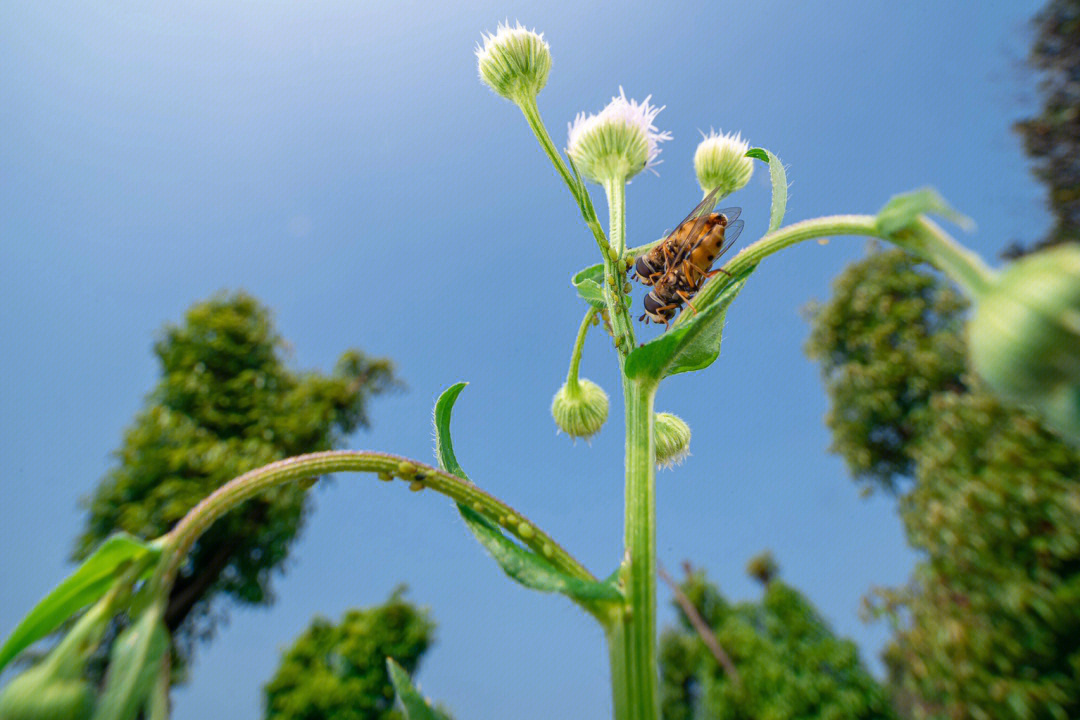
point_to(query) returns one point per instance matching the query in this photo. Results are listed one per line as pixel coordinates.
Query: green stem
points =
(225, 498)
(575, 356)
(577, 188)
(615, 298)
(922, 238)
(632, 640)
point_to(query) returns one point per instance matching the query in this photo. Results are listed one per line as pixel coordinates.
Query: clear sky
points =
(342, 162)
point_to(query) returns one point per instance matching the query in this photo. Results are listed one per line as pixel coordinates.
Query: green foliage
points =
(989, 625)
(226, 403)
(134, 666)
(790, 665)
(417, 707)
(1052, 137)
(778, 178)
(339, 672)
(887, 341)
(87, 584)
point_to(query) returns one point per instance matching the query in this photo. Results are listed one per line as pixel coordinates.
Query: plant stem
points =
(575, 356)
(577, 189)
(614, 270)
(632, 639)
(225, 498)
(923, 238)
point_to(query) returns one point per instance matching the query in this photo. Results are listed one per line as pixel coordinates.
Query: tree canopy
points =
(226, 402)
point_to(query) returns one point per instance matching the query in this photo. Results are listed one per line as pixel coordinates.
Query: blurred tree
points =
(1052, 138)
(338, 672)
(989, 625)
(226, 403)
(790, 665)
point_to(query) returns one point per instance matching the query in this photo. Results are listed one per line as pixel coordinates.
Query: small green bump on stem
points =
(629, 262)
(478, 506)
(406, 469)
(547, 550)
(525, 531)
(628, 612)
(595, 319)
(611, 280)
(627, 287)
(416, 485)
(385, 476)
(510, 521)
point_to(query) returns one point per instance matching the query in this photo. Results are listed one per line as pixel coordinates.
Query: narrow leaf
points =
(902, 210)
(87, 584)
(416, 706)
(590, 285)
(134, 665)
(521, 564)
(692, 345)
(779, 185)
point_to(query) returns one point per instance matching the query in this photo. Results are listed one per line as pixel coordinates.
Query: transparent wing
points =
(732, 213)
(701, 212)
(731, 234)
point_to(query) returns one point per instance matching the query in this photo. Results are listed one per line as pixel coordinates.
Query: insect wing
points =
(731, 234)
(732, 213)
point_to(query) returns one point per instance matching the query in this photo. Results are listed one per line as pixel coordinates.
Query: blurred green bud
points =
(672, 439)
(514, 62)
(720, 162)
(580, 408)
(41, 694)
(1024, 337)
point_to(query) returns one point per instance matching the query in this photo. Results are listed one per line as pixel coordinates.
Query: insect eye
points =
(651, 303)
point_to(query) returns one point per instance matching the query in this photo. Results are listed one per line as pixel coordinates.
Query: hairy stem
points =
(615, 270)
(632, 640)
(922, 237)
(577, 189)
(236, 491)
(575, 356)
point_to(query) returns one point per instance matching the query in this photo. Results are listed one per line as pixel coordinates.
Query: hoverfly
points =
(680, 264)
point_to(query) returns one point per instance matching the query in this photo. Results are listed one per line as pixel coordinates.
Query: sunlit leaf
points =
(134, 665)
(779, 185)
(590, 285)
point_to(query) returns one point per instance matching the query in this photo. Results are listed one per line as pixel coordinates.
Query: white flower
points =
(721, 162)
(514, 62)
(618, 142)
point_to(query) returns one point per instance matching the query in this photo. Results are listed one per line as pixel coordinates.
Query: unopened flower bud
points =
(514, 62)
(580, 408)
(720, 162)
(618, 142)
(1024, 337)
(672, 436)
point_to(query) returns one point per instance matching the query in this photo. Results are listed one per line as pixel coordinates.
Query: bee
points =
(679, 266)
(650, 266)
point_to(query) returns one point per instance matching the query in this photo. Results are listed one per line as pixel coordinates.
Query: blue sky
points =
(342, 162)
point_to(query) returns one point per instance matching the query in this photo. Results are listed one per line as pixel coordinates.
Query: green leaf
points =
(521, 564)
(779, 185)
(88, 583)
(688, 346)
(590, 285)
(134, 665)
(416, 707)
(902, 210)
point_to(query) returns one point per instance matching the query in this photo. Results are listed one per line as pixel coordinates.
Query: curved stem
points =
(575, 356)
(236, 491)
(922, 238)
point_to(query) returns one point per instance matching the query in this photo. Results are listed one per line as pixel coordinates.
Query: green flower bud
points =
(720, 162)
(39, 694)
(618, 142)
(672, 436)
(580, 409)
(514, 62)
(1024, 337)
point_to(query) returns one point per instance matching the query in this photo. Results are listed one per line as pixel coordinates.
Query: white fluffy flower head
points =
(721, 162)
(514, 62)
(618, 142)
